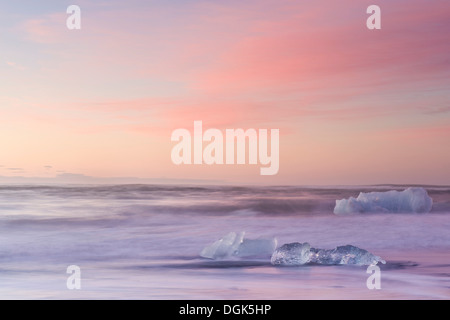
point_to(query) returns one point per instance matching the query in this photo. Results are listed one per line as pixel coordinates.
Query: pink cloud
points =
(15, 65)
(47, 29)
(309, 68)
(256, 62)
(341, 56)
(419, 133)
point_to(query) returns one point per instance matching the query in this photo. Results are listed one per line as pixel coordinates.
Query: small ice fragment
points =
(411, 200)
(224, 247)
(292, 254)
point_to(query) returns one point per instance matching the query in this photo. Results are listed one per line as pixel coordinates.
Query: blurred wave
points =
(138, 200)
(132, 232)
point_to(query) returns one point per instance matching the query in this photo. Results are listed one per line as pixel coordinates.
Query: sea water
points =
(144, 242)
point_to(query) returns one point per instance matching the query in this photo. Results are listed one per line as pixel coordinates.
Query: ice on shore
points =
(345, 255)
(234, 244)
(292, 254)
(257, 247)
(411, 200)
(295, 254)
(223, 247)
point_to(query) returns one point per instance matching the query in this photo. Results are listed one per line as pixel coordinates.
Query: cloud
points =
(135, 73)
(15, 170)
(437, 110)
(48, 29)
(15, 65)
(342, 55)
(253, 61)
(433, 133)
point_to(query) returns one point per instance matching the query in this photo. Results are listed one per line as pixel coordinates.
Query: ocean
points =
(143, 242)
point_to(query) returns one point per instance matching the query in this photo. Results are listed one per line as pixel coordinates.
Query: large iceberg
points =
(295, 254)
(411, 200)
(234, 244)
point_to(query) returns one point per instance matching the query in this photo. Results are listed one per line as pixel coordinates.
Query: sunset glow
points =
(353, 106)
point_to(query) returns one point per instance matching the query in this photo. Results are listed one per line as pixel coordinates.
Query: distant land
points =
(73, 178)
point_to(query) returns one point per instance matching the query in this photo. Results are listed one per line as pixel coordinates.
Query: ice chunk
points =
(411, 200)
(257, 247)
(344, 255)
(295, 254)
(234, 244)
(292, 254)
(224, 247)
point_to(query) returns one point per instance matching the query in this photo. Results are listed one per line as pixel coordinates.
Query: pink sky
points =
(354, 106)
